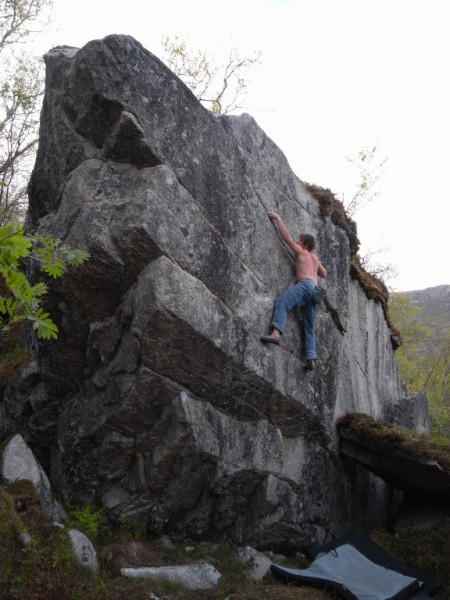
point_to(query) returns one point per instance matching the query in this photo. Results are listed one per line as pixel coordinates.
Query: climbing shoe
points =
(270, 339)
(309, 365)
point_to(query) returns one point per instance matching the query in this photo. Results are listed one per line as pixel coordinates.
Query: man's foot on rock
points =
(310, 364)
(270, 339)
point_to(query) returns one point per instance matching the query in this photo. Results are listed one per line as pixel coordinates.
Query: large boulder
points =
(158, 401)
(83, 550)
(18, 462)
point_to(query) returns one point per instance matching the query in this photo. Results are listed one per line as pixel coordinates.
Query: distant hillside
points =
(435, 313)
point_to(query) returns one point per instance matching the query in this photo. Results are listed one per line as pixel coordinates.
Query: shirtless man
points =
(307, 269)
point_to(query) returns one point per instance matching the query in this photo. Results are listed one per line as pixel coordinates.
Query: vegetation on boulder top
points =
(331, 207)
(420, 446)
(374, 287)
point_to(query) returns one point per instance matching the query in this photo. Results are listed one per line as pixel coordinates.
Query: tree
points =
(220, 87)
(21, 88)
(19, 299)
(429, 372)
(20, 97)
(370, 165)
(404, 317)
(437, 385)
(16, 19)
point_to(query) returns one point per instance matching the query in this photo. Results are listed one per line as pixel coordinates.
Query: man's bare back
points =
(307, 264)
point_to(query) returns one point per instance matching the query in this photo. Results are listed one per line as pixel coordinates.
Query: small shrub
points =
(87, 519)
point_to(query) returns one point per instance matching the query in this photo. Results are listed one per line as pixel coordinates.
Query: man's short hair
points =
(308, 240)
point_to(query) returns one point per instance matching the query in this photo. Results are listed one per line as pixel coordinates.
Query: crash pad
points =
(353, 575)
(364, 544)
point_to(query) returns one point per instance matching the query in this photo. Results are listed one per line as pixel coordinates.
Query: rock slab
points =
(201, 576)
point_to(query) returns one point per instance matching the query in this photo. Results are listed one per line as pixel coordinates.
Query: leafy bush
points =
(87, 519)
(19, 299)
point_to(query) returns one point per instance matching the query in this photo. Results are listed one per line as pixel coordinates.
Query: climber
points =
(307, 270)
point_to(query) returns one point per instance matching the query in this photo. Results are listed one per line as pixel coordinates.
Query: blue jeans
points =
(300, 294)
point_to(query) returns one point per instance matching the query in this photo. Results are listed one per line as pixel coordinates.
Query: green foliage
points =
(44, 568)
(429, 372)
(19, 299)
(404, 316)
(435, 313)
(87, 519)
(437, 385)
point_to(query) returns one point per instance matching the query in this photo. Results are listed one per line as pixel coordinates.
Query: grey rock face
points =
(158, 399)
(18, 462)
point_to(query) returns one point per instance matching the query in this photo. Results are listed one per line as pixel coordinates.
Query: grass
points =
(46, 570)
(428, 551)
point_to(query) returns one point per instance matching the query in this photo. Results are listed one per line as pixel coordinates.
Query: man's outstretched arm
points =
(283, 231)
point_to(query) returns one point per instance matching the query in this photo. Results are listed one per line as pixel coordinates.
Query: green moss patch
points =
(420, 446)
(10, 526)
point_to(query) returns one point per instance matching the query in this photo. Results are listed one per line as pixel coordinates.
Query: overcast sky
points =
(336, 75)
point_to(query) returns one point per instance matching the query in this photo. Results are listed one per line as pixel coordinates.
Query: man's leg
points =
(289, 299)
(309, 312)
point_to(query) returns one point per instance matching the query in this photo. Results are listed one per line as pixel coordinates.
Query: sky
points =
(335, 76)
